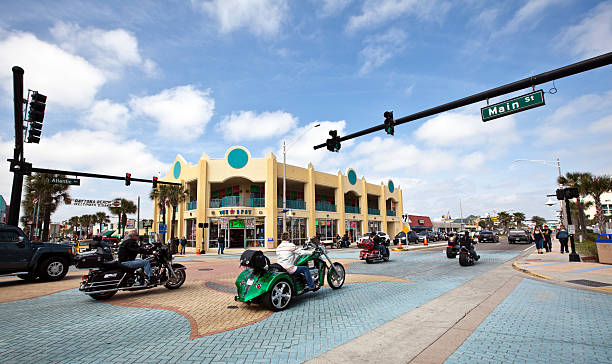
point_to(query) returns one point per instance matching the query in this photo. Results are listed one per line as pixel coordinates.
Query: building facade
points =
(3, 211)
(241, 199)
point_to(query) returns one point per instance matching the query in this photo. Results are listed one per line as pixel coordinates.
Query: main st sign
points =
(517, 104)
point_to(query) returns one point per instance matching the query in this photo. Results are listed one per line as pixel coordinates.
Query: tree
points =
(176, 195)
(49, 197)
(577, 179)
(86, 221)
(127, 207)
(168, 196)
(518, 218)
(538, 220)
(102, 218)
(74, 223)
(504, 219)
(482, 224)
(595, 187)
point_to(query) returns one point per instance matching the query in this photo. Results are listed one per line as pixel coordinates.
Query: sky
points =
(130, 85)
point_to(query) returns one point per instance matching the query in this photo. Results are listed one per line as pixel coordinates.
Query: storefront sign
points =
(250, 223)
(353, 225)
(236, 224)
(236, 212)
(223, 223)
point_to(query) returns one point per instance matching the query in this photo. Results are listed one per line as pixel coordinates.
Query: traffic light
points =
(389, 123)
(560, 194)
(571, 192)
(154, 182)
(128, 179)
(36, 116)
(333, 143)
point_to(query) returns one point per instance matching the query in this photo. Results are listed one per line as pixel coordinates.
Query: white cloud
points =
(110, 50)
(376, 12)
(486, 18)
(262, 17)
(332, 7)
(247, 125)
(181, 112)
(106, 115)
(458, 129)
(602, 125)
(528, 14)
(379, 49)
(593, 36)
(67, 80)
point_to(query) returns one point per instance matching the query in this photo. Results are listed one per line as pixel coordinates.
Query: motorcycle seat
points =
(117, 264)
(277, 267)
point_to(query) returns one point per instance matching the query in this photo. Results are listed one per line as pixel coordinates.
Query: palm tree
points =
(102, 218)
(504, 219)
(518, 218)
(176, 196)
(538, 220)
(127, 207)
(49, 197)
(86, 221)
(160, 196)
(595, 187)
(577, 179)
(73, 222)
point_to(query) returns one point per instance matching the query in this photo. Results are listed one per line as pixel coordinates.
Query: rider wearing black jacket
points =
(128, 250)
(466, 241)
(379, 243)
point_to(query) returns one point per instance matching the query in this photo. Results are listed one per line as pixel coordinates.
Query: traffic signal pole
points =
(17, 161)
(579, 67)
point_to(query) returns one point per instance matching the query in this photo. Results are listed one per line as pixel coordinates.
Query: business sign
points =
(518, 104)
(130, 223)
(96, 203)
(236, 212)
(236, 224)
(64, 181)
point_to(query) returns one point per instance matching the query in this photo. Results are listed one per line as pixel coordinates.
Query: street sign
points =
(64, 181)
(571, 229)
(147, 224)
(163, 228)
(517, 104)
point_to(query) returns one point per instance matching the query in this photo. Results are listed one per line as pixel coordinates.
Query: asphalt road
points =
(502, 245)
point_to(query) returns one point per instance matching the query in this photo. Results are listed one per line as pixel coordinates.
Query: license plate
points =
(311, 264)
(249, 281)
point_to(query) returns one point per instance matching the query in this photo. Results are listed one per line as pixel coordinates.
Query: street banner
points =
(96, 203)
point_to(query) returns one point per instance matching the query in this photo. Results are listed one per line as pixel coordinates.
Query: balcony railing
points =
(373, 211)
(235, 201)
(390, 212)
(325, 206)
(352, 209)
(192, 205)
(292, 204)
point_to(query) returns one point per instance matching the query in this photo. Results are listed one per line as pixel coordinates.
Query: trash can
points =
(604, 248)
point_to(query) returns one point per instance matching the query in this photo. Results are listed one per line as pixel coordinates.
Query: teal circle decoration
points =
(177, 169)
(352, 177)
(391, 186)
(237, 158)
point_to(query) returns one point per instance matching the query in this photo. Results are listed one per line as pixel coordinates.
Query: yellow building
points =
(241, 199)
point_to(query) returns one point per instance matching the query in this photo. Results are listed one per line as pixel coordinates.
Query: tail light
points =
(84, 278)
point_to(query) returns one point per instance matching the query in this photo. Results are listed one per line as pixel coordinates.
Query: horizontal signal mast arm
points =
(95, 175)
(572, 69)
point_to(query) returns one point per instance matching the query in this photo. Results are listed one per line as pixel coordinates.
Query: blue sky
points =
(132, 84)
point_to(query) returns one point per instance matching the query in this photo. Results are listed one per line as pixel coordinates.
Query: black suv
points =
(488, 237)
(517, 236)
(32, 259)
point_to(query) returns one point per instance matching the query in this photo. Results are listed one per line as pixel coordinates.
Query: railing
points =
(292, 204)
(235, 201)
(390, 213)
(373, 211)
(192, 205)
(352, 209)
(325, 206)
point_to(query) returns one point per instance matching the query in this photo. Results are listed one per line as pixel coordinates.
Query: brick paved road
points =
(76, 329)
(543, 323)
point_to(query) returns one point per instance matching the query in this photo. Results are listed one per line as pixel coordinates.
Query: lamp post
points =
(285, 148)
(548, 163)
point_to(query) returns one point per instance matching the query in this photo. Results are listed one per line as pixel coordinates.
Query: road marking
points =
(588, 269)
(526, 249)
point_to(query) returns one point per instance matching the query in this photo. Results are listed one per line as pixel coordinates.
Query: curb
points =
(526, 271)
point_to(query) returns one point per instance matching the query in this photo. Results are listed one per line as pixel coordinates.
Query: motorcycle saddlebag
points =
(92, 259)
(366, 244)
(254, 259)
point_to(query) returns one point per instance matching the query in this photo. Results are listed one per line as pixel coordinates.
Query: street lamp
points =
(285, 148)
(549, 163)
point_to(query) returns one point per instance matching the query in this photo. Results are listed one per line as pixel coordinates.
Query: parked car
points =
(488, 237)
(400, 238)
(518, 236)
(384, 236)
(422, 235)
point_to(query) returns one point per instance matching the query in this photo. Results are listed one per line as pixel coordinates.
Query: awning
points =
(108, 233)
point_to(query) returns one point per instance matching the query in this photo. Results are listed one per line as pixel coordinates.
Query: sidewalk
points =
(557, 268)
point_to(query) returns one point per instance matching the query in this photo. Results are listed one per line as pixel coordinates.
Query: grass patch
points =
(587, 248)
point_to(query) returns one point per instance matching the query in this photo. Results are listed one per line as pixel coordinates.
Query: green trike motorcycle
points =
(269, 284)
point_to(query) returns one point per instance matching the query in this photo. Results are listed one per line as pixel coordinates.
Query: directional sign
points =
(512, 106)
(147, 224)
(163, 228)
(64, 181)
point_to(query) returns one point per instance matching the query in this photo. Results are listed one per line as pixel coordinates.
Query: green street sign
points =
(517, 104)
(64, 181)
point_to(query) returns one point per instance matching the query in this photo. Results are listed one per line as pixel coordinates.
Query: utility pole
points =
(17, 161)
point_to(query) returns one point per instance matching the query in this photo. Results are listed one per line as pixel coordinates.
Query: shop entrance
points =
(236, 238)
(354, 230)
(237, 232)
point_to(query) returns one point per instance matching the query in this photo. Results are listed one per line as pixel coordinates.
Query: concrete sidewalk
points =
(556, 268)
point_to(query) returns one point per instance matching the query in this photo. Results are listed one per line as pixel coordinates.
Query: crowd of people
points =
(542, 237)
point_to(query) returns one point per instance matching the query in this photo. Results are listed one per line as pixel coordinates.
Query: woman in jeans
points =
(539, 239)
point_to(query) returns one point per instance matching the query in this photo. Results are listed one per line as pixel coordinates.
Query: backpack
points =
(254, 259)
(562, 234)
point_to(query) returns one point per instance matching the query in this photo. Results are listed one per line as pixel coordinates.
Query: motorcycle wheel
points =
(102, 296)
(450, 254)
(174, 283)
(386, 257)
(279, 296)
(333, 279)
(369, 261)
(465, 260)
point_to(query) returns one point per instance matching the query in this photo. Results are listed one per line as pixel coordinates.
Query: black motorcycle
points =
(465, 258)
(107, 276)
(453, 247)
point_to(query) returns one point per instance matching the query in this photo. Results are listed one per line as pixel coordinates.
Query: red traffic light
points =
(154, 182)
(128, 179)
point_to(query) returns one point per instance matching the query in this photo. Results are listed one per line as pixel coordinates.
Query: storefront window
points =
(374, 226)
(239, 232)
(353, 227)
(296, 227)
(326, 228)
(190, 232)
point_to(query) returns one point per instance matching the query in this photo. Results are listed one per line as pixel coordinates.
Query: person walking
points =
(563, 236)
(220, 244)
(183, 244)
(547, 238)
(538, 237)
